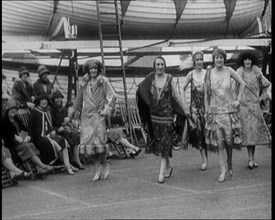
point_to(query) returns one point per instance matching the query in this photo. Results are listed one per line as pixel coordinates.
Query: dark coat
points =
(21, 93)
(58, 115)
(38, 88)
(9, 132)
(144, 96)
(36, 130)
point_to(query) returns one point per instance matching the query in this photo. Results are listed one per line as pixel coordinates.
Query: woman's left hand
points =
(27, 139)
(105, 111)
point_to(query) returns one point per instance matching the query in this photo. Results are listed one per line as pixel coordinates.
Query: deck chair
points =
(6, 178)
(135, 122)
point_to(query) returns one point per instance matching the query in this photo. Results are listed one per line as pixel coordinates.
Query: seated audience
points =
(15, 172)
(17, 139)
(66, 130)
(52, 147)
(43, 84)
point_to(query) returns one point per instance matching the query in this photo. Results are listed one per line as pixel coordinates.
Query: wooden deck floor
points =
(132, 191)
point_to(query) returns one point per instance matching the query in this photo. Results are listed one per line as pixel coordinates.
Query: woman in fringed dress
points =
(196, 80)
(95, 99)
(158, 101)
(255, 130)
(223, 127)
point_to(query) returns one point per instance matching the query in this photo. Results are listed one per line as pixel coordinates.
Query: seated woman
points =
(16, 138)
(51, 146)
(59, 112)
(15, 172)
(117, 136)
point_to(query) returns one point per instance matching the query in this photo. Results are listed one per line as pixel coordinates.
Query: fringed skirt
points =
(197, 135)
(162, 143)
(223, 130)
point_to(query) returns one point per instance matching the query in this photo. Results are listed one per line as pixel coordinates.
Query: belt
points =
(162, 119)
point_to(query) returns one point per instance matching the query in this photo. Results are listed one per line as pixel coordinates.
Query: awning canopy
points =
(141, 19)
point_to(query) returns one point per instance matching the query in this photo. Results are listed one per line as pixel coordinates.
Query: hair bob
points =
(155, 60)
(251, 55)
(195, 54)
(219, 51)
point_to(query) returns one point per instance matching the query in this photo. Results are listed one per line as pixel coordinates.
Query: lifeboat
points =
(141, 19)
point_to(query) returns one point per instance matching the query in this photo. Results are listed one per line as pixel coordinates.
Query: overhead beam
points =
(6, 46)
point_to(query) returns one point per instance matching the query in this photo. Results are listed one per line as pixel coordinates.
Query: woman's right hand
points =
(67, 119)
(61, 129)
(30, 105)
(18, 138)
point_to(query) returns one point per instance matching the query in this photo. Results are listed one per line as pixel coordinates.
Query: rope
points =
(60, 87)
(178, 83)
(58, 66)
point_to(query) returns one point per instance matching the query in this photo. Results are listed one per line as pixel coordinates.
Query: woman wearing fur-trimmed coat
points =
(95, 100)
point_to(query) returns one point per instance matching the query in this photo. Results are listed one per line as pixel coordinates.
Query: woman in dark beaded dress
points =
(197, 110)
(158, 101)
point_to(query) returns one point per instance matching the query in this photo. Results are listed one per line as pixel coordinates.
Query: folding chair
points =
(6, 178)
(135, 122)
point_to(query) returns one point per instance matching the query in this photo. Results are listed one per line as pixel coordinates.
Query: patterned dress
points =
(162, 119)
(197, 110)
(255, 130)
(223, 126)
(92, 99)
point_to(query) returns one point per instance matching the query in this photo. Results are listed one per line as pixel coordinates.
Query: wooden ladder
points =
(109, 28)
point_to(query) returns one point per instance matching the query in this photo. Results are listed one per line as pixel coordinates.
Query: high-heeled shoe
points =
(255, 165)
(230, 172)
(106, 171)
(250, 165)
(18, 176)
(96, 176)
(49, 169)
(222, 177)
(70, 171)
(135, 153)
(161, 178)
(204, 166)
(80, 167)
(74, 169)
(168, 172)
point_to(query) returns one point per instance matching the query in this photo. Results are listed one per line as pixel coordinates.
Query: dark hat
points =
(42, 69)
(57, 94)
(23, 70)
(40, 97)
(91, 63)
(11, 103)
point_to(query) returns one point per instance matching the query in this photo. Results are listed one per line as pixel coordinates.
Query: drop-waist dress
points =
(197, 110)
(162, 119)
